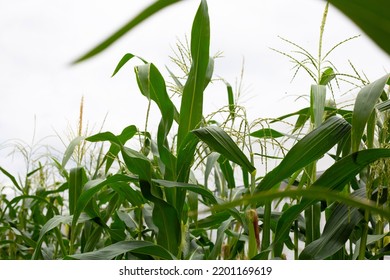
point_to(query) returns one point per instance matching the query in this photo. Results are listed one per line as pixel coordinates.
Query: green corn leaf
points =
(337, 231)
(267, 133)
(185, 157)
(77, 179)
(137, 163)
(310, 148)
(327, 76)
(92, 187)
(317, 100)
(232, 105)
(192, 99)
(126, 134)
(152, 85)
(116, 142)
(53, 223)
(218, 140)
(122, 247)
(220, 237)
(211, 160)
(124, 60)
(12, 178)
(190, 187)
(165, 218)
(371, 16)
(145, 14)
(227, 171)
(370, 239)
(364, 106)
(213, 221)
(70, 149)
(384, 106)
(334, 179)
(128, 193)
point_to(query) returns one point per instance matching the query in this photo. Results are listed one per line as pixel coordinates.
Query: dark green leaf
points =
(218, 140)
(337, 231)
(191, 187)
(140, 247)
(310, 148)
(371, 16)
(192, 99)
(364, 106)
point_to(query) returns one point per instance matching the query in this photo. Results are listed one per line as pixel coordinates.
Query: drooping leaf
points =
(333, 179)
(337, 231)
(143, 15)
(70, 149)
(122, 247)
(267, 133)
(124, 60)
(310, 148)
(218, 140)
(190, 187)
(371, 16)
(92, 187)
(53, 223)
(364, 106)
(213, 221)
(327, 76)
(12, 178)
(116, 142)
(137, 163)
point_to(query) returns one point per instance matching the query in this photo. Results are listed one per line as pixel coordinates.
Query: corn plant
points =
(191, 190)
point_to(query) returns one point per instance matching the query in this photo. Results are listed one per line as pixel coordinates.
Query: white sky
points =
(39, 39)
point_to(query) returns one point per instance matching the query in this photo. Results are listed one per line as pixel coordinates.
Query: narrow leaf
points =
(70, 149)
(267, 133)
(337, 231)
(218, 140)
(124, 60)
(317, 100)
(310, 148)
(146, 13)
(190, 187)
(371, 16)
(192, 100)
(122, 247)
(364, 106)
(77, 179)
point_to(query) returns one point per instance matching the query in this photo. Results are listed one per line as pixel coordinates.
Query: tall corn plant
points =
(162, 198)
(148, 207)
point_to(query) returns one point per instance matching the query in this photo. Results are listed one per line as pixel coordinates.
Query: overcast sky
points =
(39, 39)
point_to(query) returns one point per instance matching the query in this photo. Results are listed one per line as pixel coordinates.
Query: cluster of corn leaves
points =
(149, 207)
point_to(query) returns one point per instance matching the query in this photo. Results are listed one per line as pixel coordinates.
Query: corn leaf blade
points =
(122, 247)
(364, 106)
(192, 100)
(310, 148)
(218, 140)
(371, 16)
(143, 15)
